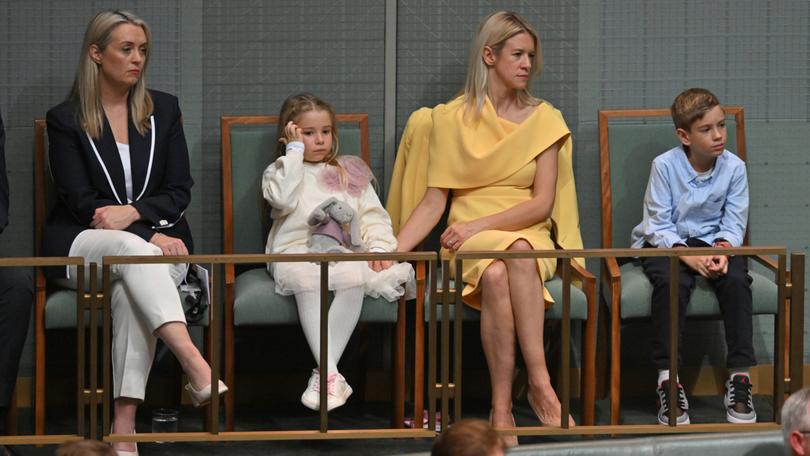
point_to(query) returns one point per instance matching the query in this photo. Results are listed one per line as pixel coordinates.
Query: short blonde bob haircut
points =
(86, 84)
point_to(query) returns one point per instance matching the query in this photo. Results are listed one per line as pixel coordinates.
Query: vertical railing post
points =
(796, 320)
(779, 345)
(432, 347)
(324, 367)
(214, 352)
(106, 337)
(445, 333)
(93, 350)
(566, 341)
(457, 332)
(674, 281)
(81, 305)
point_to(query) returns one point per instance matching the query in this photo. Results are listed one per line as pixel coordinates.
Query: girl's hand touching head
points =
(292, 132)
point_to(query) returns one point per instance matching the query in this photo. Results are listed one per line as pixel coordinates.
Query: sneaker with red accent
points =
(681, 405)
(739, 400)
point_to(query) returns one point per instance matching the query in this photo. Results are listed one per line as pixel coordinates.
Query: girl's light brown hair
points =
(291, 110)
(85, 89)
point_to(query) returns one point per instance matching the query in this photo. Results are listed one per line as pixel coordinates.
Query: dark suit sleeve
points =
(165, 206)
(70, 169)
(3, 179)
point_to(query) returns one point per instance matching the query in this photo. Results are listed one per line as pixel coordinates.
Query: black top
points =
(89, 175)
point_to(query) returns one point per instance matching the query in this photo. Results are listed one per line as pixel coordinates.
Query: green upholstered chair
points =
(628, 142)
(53, 307)
(248, 146)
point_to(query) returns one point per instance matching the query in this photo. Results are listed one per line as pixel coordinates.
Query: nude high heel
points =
(203, 396)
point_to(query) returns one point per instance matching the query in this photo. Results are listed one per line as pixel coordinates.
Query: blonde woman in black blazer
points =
(120, 163)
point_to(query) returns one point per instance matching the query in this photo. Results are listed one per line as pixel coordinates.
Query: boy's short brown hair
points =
(691, 105)
(468, 438)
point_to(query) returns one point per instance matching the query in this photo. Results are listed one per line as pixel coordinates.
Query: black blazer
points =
(89, 174)
(3, 179)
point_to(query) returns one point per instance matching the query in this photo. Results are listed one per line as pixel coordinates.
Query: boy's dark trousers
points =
(733, 292)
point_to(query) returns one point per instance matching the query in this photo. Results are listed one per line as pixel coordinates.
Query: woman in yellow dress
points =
(504, 157)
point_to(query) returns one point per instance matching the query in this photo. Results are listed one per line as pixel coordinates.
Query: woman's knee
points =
(496, 277)
(520, 244)
(518, 264)
(135, 245)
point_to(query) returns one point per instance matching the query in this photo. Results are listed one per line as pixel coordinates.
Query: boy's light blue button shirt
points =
(679, 203)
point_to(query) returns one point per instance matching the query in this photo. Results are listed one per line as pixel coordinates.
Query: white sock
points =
(663, 375)
(344, 313)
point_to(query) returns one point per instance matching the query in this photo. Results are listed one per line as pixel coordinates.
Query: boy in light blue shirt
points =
(697, 196)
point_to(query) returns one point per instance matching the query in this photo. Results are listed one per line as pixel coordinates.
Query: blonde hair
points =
(494, 31)
(86, 84)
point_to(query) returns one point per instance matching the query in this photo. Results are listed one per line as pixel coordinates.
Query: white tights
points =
(343, 315)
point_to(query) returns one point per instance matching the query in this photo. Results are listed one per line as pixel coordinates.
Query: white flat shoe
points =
(203, 396)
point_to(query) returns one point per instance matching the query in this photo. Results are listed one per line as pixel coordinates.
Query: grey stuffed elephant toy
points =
(329, 235)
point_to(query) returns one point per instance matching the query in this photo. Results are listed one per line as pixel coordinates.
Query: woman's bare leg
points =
(124, 422)
(175, 336)
(528, 307)
(498, 340)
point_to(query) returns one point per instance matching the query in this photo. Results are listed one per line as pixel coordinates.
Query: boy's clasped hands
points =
(709, 266)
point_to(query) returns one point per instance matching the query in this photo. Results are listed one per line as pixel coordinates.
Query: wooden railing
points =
(83, 297)
(217, 263)
(449, 387)
(790, 285)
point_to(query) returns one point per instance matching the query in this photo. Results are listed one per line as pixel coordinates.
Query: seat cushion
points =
(579, 304)
(637, 293)
(256, 303)
(60, 311)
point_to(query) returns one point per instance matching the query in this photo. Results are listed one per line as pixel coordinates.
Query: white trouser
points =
(143, 298)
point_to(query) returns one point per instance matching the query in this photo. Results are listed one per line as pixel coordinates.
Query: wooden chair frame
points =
(611, 276)
(226, 125)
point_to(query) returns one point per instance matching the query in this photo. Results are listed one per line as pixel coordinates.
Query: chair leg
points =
(602, 331)
(588, 380)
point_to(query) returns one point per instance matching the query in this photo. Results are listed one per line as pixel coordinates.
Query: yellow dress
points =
(489, 165)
